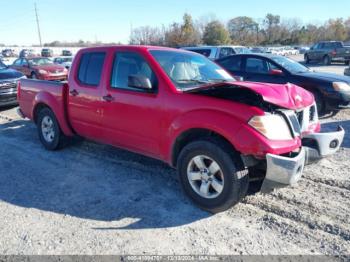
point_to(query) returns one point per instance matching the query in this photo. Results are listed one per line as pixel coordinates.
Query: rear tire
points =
(220, 172)
(49, 131)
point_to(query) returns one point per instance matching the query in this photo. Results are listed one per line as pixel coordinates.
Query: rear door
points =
(85, 94)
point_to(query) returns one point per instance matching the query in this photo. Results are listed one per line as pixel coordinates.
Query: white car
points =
(65, 61)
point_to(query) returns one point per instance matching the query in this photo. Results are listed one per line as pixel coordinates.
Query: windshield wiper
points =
(197, 81)
(218, 80)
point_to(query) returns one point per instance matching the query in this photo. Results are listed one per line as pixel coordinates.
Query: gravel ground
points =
(94, 199)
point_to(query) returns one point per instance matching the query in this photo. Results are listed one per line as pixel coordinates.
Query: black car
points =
(8, 85)
(66, 53)
(331, 91)
(46, 52)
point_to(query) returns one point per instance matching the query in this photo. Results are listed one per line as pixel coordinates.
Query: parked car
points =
(258, 50)
(26, 53)
(8, 53)
(184, 109)
(331, 91)
(65, 61)
(215, 52)
(302, 49)
(8, 85)
(46, 52)
(67, 53)
(40, 68)
(328, 52)
(347, 71)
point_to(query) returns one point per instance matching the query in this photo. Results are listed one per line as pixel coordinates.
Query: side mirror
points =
(276, 72)
(138, 81)
(239, 78)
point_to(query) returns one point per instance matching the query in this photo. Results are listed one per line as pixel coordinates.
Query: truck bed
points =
(33, 92)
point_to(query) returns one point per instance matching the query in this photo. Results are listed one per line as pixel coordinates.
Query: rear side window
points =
(90, 68)
(232, 63)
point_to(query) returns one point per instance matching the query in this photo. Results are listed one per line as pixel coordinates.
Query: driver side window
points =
(130, 64)
(256, 65)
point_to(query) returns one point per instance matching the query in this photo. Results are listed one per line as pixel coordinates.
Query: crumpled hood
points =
(288, 96)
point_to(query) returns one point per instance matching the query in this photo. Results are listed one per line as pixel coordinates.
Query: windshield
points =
(189, 70)
(2, 65)
(290, 65)
(40, 61)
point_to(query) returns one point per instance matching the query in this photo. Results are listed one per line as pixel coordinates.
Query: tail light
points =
(18, 90)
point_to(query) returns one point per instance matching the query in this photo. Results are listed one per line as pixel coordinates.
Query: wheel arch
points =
(45, 100)
(195, 134)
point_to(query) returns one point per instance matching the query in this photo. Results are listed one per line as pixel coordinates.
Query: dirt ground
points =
(94, 199)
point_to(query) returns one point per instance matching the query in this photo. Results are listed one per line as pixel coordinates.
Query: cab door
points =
(131, 115)
(85, 94)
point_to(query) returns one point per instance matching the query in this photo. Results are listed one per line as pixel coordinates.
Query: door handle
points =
(108, 98)
(74, 92)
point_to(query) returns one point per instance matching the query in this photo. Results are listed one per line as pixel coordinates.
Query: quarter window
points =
(90, 68)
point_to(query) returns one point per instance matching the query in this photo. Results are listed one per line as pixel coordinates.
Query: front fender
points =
(219, 122)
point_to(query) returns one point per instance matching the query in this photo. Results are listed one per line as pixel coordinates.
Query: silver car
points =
(216, 52)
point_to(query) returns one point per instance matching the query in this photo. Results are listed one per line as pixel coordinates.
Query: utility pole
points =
(37, 23)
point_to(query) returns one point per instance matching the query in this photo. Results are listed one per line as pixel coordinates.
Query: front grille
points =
(8, 85)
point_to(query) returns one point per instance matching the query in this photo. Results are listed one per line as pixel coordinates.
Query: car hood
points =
(49, 67)
(287, 96)
(8, 73)
(329, 77)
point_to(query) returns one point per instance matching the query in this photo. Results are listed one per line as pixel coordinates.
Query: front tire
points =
(49, 131)
(211, 175)
(320, 103)
(306, 59)
(326, 60)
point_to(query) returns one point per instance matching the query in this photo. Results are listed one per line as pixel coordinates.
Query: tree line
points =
(241, 30)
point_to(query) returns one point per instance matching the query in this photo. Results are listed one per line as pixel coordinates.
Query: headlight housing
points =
(42, 72)
(272, 126)
(341, 86)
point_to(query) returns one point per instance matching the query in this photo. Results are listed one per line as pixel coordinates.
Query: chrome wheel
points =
(47, 129)
(205, 176)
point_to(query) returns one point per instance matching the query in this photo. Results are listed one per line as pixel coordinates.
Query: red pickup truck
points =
(181, 108)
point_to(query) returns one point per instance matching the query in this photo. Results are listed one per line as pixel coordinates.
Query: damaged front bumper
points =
(282, 171)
